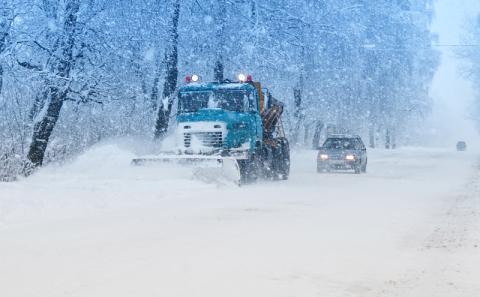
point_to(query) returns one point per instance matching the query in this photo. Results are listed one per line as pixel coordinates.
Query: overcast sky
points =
(452, 93)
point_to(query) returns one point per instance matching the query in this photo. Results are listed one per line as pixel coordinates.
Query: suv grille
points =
(207, 139)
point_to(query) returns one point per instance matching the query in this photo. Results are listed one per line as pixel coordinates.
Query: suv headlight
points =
(350, 157)
(323, 156)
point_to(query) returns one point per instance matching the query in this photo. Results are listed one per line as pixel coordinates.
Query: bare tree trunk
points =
(1, 78)
(253, 10)
(218, 71)
(58, 91)
(5, 22)
(43, 129)
(394, 139)
(316, 136)
(155, 89)
(297, 95)
(371, 136)
(298, 109)
(38, 104)
(171, 76)
(306, 136)
(387, 139)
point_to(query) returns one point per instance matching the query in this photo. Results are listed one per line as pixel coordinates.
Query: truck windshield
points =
(231, 100)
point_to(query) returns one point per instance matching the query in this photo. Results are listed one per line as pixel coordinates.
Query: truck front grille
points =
(206, 139)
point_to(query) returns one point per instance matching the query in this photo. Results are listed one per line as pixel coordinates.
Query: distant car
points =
(461, 146)
(342, 152)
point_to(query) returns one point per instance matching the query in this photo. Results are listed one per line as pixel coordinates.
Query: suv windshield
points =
(342, 144)
(231, 100)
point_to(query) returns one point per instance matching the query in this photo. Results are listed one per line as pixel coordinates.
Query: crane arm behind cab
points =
(270, 111)
(271, 116)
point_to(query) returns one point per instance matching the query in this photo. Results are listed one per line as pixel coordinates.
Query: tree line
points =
(74, 72)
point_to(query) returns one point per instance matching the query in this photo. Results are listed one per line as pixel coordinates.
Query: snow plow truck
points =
(229, 122)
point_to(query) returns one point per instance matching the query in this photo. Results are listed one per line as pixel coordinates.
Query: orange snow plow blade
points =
(207, 168)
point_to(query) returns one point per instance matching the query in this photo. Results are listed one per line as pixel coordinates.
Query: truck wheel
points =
(285, 168)
(276, 161)
(250, 168)
(275, 171)
(248, 171)
(284, 161)
(268, 163)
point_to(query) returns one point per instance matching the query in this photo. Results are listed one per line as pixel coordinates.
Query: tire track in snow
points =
(459, 228)
(450, 255)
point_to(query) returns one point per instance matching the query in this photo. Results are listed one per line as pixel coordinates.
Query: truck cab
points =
(218, 118)
(233, 120)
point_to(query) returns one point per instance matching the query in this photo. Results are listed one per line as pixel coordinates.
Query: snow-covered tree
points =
(171, 74)
(80, 71)
(471, 55)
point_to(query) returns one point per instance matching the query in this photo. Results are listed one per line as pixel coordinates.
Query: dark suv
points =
(342, 152)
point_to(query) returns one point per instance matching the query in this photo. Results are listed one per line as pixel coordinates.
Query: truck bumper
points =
(216, 154)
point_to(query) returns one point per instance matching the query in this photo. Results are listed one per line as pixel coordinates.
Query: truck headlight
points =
(324, 157)
(242, 77)
(350, 157)
(195, 78)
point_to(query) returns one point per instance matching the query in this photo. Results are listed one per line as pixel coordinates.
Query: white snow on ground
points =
(100, 227)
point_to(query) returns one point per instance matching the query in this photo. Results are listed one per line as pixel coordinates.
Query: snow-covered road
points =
(98, 227)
